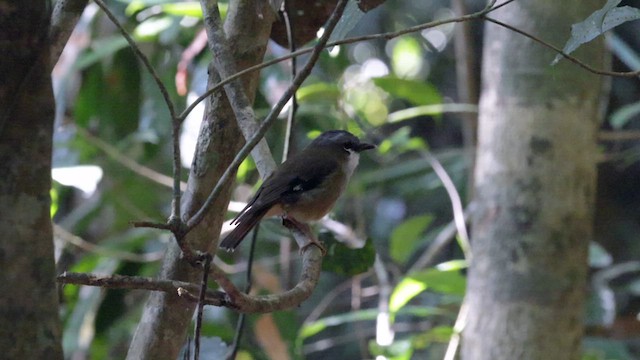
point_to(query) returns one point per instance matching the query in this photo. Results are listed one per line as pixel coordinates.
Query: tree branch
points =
(226, 67)
(63, 20)
(137, 282)
(273, 115)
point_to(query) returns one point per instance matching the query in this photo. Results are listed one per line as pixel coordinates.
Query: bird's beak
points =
(364, 146)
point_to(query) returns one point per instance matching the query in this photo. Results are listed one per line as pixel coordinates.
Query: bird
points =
(304, 188)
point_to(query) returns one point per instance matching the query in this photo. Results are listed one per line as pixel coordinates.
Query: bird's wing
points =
(294, 178)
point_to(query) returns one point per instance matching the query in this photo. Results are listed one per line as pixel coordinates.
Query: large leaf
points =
(597, 23)
(100, 49)
(416, 92)
(405, 237)
(445, 279)
(322, 324)
(345, 261)
(318, 91)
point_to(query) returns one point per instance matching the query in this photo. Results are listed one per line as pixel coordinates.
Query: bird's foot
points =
(303, 228)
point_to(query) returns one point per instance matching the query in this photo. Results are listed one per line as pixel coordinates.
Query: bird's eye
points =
(348, 147)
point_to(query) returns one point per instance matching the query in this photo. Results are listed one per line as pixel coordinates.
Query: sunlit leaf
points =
(319, 325)
(149, 29)
(406, 290)
(405, 237)
(192, 9)
(54, 202)
(446, 282)
(431, 110)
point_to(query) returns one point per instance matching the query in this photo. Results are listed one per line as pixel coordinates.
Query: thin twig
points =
(273, 115)
(456, 203)
(386, 36)
(64, 18)
(201, 298)
(384, 331)
(291, 117)
(67, 237)
(309, 276)
(141, 57)
(241, 319)
(137, 282)
(625, 135)
(225, 66)
(115, 154)
(466, 87)
(461, 322)
(175, 218)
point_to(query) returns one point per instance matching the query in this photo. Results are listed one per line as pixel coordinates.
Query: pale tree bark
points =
(535, 185)
(166, 317)
(29, 324)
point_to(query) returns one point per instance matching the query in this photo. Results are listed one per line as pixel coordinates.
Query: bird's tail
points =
(246, 222)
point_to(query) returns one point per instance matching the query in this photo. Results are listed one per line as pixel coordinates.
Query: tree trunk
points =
(29, 324)
(535, 186)
(164, 324)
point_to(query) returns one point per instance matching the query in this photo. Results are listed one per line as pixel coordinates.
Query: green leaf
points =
(441, 334)
(345, 261)
(100, 49)
(405, 237)
(149, 29)
(406, 290)
(597, 23)
(449, 282)
(53, 209)
(443, 281)
(431, 110)
(319, 325)
(322, 324)
(417, 92)
(192, 9)
(318, 91)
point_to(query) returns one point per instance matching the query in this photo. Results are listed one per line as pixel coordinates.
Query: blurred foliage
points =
(399, 93)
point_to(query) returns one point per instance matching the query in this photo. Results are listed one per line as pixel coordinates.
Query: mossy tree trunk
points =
(29, 323)
(535, 186)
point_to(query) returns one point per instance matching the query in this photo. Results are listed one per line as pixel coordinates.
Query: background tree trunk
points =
(162, 330)
(29, 323)
(535, 187)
